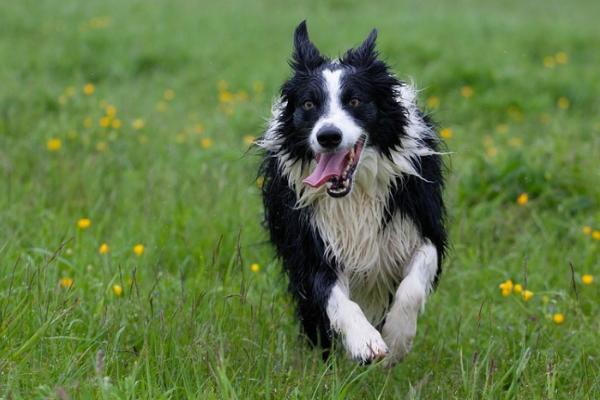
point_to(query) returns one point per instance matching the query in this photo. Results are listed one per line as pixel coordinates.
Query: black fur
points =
(300, 247)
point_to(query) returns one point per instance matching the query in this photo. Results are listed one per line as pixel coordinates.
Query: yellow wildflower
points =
(558, 318)
(101, 146)
(138, 124)
(446, 133)
(53, 144)
(104, 122)
(169, 94)
(491, 151)
(65, 283)
(433, 102)
(502, 128)
(518, 288)
(549, 62)
(89, 89)
(587, 230)
(226, 96)
(596, 235)
(248, 139)
(206, 143)
(255, 267)
(103, 249)
(515, 142)
(198, 128)
(545, 118)
(561, 57)
(111, 110)
(161, 106)
(466, 91)
(527, 295)
(70, 91)
(84, 223)
(116, 123)
(117, 290)
(138, 249)
(506, 287)
(523, 199)
(260, 181)
(563, 103)
(587, 279)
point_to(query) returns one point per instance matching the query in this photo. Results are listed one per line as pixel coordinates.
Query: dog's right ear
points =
(306, 56)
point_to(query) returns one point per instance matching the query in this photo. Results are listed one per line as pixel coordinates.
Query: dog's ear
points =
(363, 55)
(306, 56)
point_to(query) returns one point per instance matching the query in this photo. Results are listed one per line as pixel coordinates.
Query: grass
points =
(194, 320)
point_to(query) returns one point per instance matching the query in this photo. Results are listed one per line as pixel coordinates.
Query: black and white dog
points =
(353, 199)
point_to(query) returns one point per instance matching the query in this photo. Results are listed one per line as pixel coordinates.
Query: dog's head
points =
(333, 109)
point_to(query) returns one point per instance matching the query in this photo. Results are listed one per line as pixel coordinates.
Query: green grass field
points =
(153, 152)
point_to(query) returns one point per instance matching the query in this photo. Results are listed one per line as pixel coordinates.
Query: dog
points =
(352, 194)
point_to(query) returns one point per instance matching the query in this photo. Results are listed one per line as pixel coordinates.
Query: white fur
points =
(335, 115)
(270, 140)
(372, 256)
(401, 322)
(361, 339)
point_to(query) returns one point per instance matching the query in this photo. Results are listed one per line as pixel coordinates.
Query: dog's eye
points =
(308, 105)
(354, 102)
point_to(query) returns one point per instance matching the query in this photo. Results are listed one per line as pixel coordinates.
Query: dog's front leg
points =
(401, 321)
(361, 339)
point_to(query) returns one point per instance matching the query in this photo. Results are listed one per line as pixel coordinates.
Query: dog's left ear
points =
(363, 55)
(306, 56)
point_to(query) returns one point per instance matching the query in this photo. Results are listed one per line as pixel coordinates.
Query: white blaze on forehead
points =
(333, 83)
(334, 114)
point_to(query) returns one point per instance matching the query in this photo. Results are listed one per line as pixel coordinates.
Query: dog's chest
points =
(372, 256)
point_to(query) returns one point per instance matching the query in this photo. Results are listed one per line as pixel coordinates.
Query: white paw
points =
(365, 344)
(399, 333)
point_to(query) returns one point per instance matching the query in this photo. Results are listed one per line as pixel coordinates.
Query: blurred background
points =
(132, 260)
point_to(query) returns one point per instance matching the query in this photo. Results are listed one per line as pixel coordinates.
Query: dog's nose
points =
(329, 137)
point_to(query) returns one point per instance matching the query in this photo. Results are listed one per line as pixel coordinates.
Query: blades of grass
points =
(518, 371)
(36, 336)
(550, 380)
(224, 383)
(352, 379)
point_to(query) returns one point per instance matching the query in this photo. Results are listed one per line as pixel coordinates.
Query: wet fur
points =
(366, 243)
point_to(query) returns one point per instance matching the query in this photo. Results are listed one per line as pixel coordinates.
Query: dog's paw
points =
(365, 344)
(399, 334)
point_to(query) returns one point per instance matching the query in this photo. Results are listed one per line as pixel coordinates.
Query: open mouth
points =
(336, 170)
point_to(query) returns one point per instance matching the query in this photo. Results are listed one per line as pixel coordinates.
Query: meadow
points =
(133, 263)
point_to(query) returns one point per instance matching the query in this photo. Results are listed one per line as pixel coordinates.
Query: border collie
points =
(353, 199)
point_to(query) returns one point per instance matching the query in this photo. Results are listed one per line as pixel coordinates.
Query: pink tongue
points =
(328, 165)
